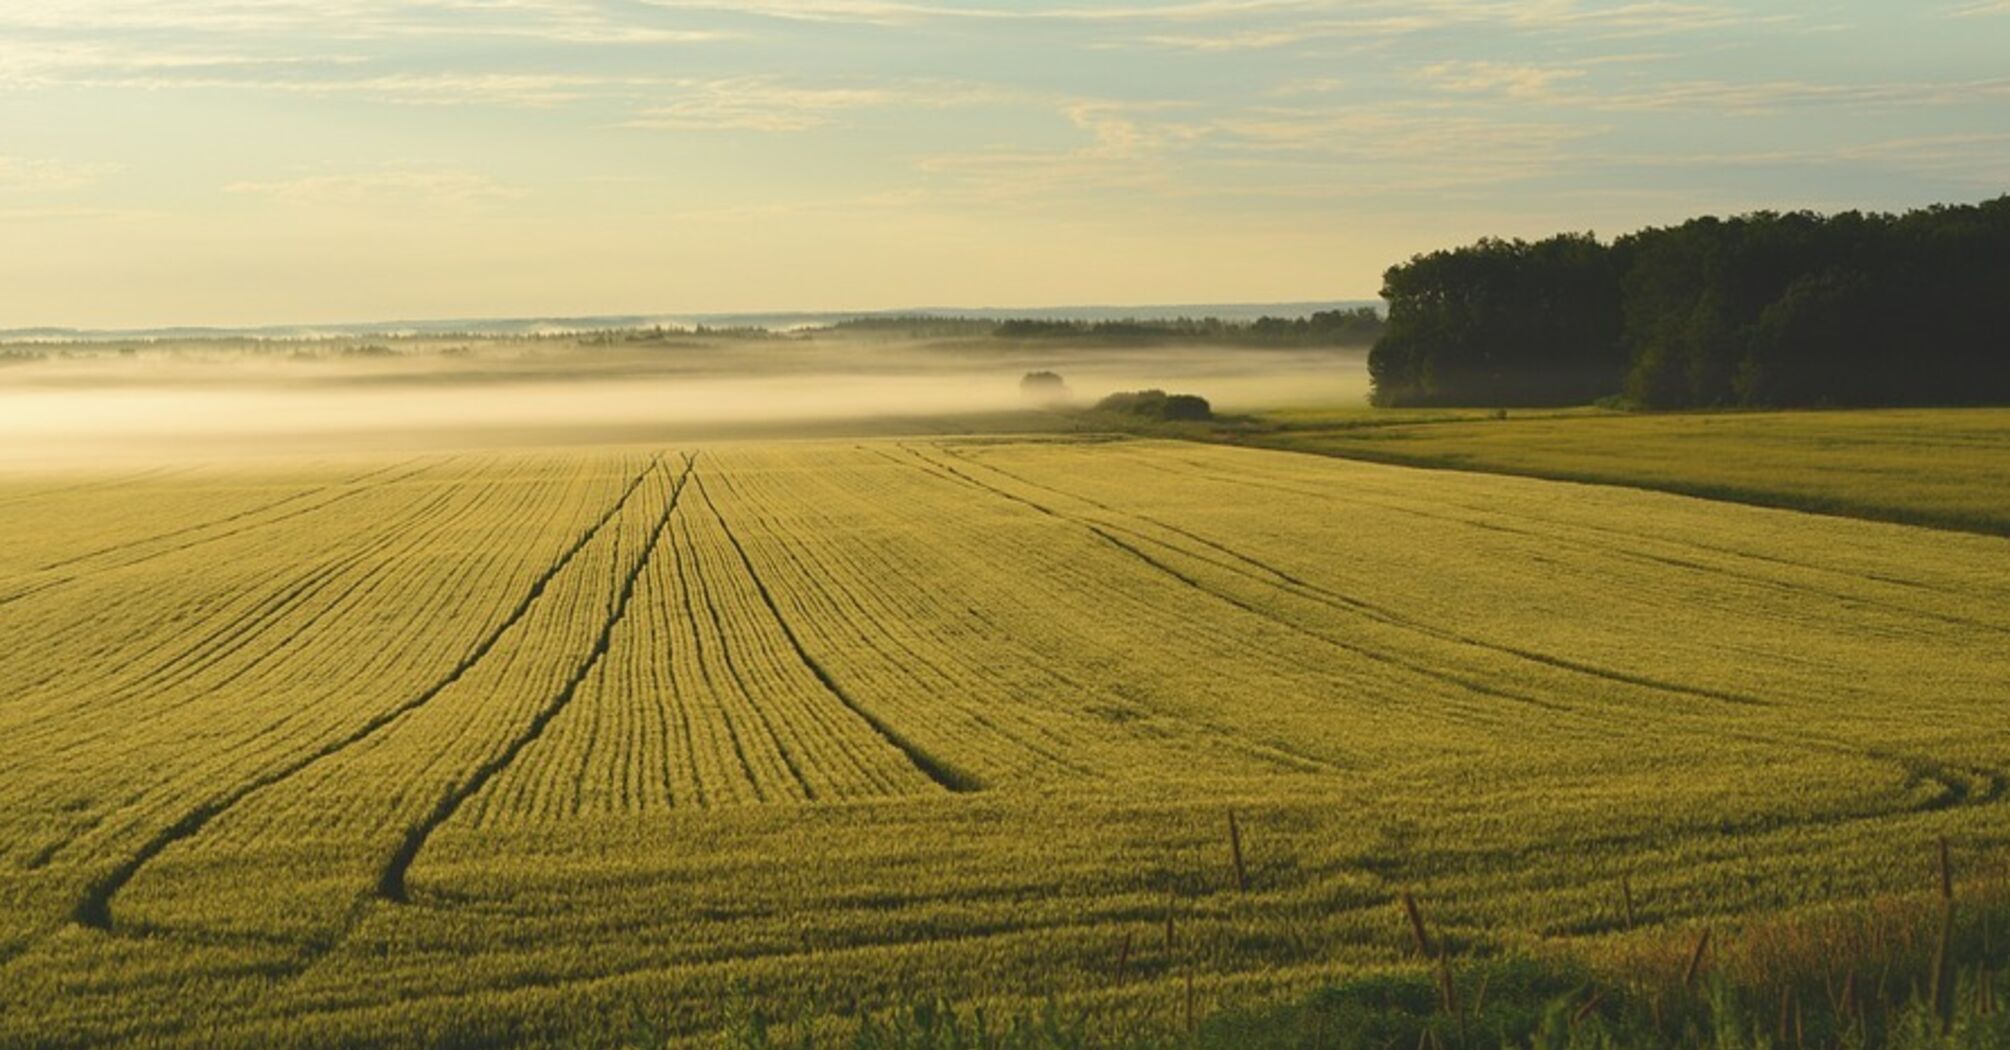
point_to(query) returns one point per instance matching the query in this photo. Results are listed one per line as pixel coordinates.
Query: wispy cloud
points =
(1563, 85)
(1241, 40)
(72, 216)
(28, 174)
(561, 21)
(1129, 117)
(1764, 97)
(1978, 158)
(1497, 78)
(26, 63)
(1312, 16)
(1126, 148)
(770, 104)
(755, 103)
(1170, 150)
(1363, 152)
(894, 12)
(379, 188)
(333, 76)
(1301, 86)
(1371, 24)
(525, 90)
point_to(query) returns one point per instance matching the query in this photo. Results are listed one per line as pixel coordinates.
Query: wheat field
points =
(543, 746)
(1943, 467)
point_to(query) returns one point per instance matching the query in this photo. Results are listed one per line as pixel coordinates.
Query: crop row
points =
(492, 745)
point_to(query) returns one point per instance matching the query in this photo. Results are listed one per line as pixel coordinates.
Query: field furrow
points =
(474, 746)
(94, 908)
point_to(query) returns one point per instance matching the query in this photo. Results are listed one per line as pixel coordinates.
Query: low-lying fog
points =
(208, 400)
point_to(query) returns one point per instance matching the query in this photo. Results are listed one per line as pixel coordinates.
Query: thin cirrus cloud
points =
(1130, 148)
(42, 174)
(824, 132)
(1305, 18)
(771, 104)
(1278, 152)
(367, 189)
(1497, 78)
(562, 21)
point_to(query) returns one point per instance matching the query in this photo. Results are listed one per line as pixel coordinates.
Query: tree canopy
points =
(1159, 405)
(1779, 309)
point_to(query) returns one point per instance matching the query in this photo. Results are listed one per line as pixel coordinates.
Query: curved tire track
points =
(391, 881)
(199, 541)
(948, 778)
(93, 909)
(1345, 603)
(1134, 551)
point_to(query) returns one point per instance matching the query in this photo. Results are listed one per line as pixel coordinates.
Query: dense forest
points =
(1767, 309)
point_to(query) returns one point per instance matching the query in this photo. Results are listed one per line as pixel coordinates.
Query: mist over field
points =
(1035, 525)
(210, 399)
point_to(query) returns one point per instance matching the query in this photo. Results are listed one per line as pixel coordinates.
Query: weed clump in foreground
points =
(1915, 973)
(1912, 973)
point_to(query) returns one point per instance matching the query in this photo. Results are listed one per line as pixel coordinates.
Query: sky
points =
(297, 161)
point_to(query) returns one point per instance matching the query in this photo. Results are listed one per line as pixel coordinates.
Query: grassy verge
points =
(1925, 972)
(1945, 468)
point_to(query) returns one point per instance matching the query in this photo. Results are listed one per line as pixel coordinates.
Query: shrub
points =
(1046, 388)
(1157, 404)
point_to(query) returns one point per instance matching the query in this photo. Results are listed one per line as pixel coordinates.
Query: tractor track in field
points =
(216, 645)
(1292, 584)
(203, 540)
(1110, 538)
(907, 654)
(1959, 785)
(684, 591)
(100, 483)
(226, 639)
(378, 935)
(391, 880)
(1005, 930)
(93, 909)
(689, 587)
(228, 518)
(244, 630)
(1280, 755)
(944, 776)
(1723, 571)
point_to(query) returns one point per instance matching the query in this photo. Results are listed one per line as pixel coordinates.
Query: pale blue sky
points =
(322, 160)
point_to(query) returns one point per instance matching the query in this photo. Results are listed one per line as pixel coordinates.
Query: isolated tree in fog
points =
(1044, 388)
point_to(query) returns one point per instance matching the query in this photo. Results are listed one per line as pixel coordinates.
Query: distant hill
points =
(535, 326)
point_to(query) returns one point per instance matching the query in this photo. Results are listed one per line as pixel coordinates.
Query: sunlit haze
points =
(266, 161)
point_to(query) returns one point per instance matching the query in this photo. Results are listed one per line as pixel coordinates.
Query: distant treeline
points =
(1766, 309)
(915, 326)
(1356, 327)
(672, 334)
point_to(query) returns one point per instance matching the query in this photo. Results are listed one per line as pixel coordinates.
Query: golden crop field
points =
(556, 746)
(1946, 467)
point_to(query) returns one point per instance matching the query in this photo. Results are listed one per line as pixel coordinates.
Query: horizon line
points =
(445, 325)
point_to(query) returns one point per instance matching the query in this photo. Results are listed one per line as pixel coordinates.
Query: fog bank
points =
(208, 401)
